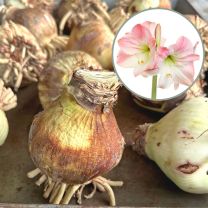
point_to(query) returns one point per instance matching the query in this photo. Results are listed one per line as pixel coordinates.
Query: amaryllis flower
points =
(178, 64)
(138, 49)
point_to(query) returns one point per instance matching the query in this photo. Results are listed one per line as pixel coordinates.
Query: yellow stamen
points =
(141, 62)
(169, 75)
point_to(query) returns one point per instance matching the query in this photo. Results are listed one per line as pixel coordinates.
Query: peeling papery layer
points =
(57, 76)
(95, 88)
(21, 57)
(138, 143)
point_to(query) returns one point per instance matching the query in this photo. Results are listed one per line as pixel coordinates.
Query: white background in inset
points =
(173, 26)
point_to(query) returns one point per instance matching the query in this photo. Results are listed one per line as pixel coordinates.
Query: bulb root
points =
(62, 193)
(57, 44)
(21, 55)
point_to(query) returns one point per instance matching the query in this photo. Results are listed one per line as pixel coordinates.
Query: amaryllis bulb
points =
(38, 21)
(7, 101)
(95, 38)
(21, 57)
(76, 138)
(46, 34)
(178, 144)
(83, 144)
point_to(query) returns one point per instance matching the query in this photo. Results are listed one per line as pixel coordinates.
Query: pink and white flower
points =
(178, 63)
(138, 49)
(142, 49)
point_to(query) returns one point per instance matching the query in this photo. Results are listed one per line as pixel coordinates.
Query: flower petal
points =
(132, 41)
(128, 45)
(146, 70)
(122, 57)
(150, 71)
(138, 71)
(126, 60)
(138, 50)
(177, 64)
(188, 70)
(183, 47)
(150, 67)
(189, 58)
(141, 32)
(150, 26)
(165, 81)
(163, 52)
(186, 75)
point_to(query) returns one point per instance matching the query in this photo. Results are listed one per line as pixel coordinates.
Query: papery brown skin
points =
(95, 38)
(38, 21)
(73, 145)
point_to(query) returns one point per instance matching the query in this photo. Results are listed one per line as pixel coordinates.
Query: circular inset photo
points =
(158, 54)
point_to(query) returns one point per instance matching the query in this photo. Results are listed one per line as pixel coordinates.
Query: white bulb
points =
(4, 127)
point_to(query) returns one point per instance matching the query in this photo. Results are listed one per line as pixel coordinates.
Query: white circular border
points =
(141, 86)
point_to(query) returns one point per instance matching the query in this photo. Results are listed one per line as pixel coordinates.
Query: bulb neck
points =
(139, 139)
(95, 89)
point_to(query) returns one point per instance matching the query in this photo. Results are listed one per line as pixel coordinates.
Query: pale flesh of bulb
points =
(181, 138)
(4, 127)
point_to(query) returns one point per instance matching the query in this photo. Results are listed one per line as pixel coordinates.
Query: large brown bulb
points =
(96, 39)
(38, 21)
(73, 145)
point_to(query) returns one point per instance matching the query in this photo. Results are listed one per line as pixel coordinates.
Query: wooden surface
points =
(144, 184)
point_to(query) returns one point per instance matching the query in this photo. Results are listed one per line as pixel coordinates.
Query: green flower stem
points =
(154, 87)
